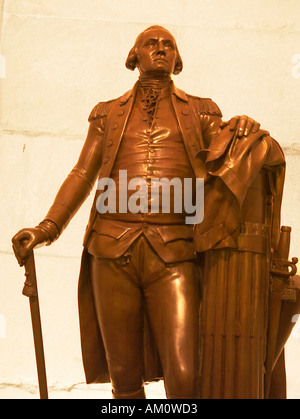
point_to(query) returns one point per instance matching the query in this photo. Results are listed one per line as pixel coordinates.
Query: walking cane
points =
(30, 290)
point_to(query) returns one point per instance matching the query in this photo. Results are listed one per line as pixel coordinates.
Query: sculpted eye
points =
(169, 45)
(150, 44)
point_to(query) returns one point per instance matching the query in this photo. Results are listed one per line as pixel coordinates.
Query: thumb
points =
(224, 124)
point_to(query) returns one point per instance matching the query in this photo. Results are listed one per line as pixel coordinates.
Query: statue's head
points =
(155, 53)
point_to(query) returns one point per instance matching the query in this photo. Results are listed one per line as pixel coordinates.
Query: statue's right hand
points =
(26, 240)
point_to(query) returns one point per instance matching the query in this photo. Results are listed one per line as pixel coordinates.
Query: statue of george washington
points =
(154, 290)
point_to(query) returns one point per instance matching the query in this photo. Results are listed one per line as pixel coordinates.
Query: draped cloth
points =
(235, 252)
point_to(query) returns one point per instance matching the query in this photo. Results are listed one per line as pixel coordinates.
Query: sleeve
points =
(80, 181)
(210, 119)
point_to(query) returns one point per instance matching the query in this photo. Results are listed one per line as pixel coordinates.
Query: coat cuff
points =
(51, 229)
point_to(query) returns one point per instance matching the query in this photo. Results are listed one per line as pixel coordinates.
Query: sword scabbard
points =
(280, 274)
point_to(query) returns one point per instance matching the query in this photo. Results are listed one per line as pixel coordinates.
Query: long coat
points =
(189, 112)
(108, 120)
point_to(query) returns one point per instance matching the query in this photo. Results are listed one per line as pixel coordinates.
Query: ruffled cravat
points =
(151, 88)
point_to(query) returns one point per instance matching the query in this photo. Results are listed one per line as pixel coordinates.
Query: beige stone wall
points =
(61, 58)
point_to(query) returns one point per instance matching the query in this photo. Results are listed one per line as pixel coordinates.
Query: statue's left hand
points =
(242, 124)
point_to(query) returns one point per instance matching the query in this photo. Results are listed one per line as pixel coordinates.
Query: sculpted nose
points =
(160, 49)
(160, 52)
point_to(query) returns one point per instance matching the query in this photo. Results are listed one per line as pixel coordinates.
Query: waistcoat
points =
(151, 148)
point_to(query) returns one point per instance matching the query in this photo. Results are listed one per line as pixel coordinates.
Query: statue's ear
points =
(132, 60)
(178, 65)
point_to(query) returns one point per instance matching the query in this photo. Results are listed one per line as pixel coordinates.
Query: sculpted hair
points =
(131, 61)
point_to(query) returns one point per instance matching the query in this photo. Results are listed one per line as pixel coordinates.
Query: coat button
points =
(110, 143)
(105, 160)
(120, 112)
(185, 111)
(114, 125)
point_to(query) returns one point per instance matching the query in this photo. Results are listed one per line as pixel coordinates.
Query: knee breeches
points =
(170, 294)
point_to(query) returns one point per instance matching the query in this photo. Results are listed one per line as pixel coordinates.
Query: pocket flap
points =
(176, 232)
(110, 228)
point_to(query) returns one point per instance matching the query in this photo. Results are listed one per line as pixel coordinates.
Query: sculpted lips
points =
(161, 61)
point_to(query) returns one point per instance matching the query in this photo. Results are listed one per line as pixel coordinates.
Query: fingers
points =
(255, 126)
(248, 126)
(20, 261)
(18, 239)
(233, 122)
(244, 125)
(22, 245)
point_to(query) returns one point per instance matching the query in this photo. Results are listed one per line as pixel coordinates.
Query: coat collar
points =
(179, 93)
(174, 90)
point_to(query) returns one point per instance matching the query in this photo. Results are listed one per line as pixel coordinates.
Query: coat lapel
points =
(190, 129)
(116, 123)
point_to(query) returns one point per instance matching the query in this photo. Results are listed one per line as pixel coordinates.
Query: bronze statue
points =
(159, 297)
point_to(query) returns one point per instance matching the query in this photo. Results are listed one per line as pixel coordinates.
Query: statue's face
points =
(157, 53)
